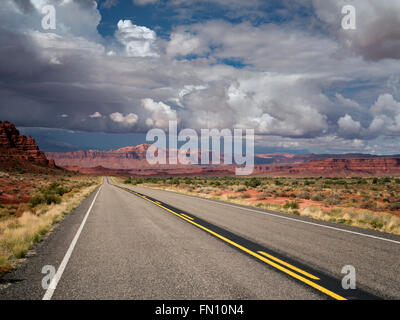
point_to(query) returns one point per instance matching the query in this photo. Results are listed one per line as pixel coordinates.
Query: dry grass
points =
(19, 234)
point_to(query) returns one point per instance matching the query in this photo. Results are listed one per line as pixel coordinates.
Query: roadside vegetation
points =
(372, 203)
(25, 220)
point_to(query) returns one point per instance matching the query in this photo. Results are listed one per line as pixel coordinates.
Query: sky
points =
(112, 70)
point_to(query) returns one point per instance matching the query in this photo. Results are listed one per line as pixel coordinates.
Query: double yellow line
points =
(260, 255)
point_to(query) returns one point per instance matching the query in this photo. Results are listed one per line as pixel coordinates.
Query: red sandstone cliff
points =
(19, 151)
(336, 167)
(132, 160)
(127, 158)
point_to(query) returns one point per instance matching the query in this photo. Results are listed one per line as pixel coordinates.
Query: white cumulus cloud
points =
(160, 113)
(182, 44)
(139, 41)
(95, 115)
(348, 127)
(128, 120)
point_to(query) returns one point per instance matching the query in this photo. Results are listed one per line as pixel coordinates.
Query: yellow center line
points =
(186, 216)
(256, 255)
(289, 265)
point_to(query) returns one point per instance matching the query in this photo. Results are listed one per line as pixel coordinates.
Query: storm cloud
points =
(294, 83)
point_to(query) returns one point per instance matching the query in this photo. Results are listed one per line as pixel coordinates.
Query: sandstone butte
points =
(19, 151)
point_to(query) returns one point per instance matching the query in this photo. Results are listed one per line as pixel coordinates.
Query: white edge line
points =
(283, 217)
(54, 282)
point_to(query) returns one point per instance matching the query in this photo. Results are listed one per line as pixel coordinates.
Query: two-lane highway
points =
(323, 247)
(150, 244)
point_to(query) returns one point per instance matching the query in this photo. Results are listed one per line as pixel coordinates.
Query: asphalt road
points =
(152, 244)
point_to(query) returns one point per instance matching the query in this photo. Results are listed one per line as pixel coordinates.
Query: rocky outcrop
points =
(337, 167)
(19, 150)
(125, 158)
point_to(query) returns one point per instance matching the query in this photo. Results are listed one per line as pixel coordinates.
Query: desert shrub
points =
(360, 181)
(245, 196)
(52, 198)
(386, 180)
(49, 195)
(305, 195)
(188, 181)
(46, 198)
(377, 224)
(278, 183)
(291, 205)
(128, 181)
(215, 183)
(341, 182)
(36, 200)
(60, 190)
(332, 202)
(368, 205)
(318, 197)
(241, 189)
(335, 212)
(56, 188)
(253, 183)
(394, 206)
(174, 181)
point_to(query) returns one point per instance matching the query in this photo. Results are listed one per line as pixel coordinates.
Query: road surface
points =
(139, 243)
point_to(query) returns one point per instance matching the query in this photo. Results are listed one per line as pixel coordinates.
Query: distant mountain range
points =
(19, 152)
(132, 161)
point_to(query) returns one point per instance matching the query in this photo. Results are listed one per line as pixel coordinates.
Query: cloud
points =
(144, 2)
(267, 46)
(251, 9)
(24, 6)
(295, 85)
(182, 44)
(129, 120)
(96, 115)
(386, 104)
(376, 37)
(347, 102)
(348, 128)
(160, 113)
(139, 41)
(387, 115)
(109, 4)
